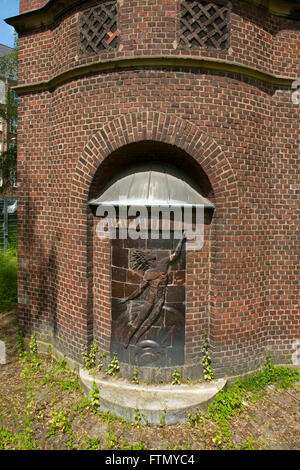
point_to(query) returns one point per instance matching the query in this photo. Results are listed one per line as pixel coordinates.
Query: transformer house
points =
(161, 103)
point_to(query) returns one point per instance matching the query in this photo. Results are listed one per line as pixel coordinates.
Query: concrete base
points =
(170, 404)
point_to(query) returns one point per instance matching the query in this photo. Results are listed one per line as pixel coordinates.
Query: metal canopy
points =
(153, 184)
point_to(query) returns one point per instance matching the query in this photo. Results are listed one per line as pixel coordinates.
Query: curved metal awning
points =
(153, 184)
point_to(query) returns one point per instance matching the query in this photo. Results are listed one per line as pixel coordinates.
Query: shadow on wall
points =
(258, 16)
(38, 273)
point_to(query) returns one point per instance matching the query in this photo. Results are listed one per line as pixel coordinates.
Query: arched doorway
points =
(151, 278)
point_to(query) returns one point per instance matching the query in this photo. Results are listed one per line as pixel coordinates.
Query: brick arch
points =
(169, 129)
(161, 127)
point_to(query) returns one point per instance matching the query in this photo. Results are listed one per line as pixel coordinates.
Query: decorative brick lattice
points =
(203, 24)
(99, 29)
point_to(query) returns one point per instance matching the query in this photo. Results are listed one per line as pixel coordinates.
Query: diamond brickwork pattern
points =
(203, 24)
(99, 28)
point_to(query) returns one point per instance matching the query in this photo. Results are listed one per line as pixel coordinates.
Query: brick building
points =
(8, 129)
(208, 87)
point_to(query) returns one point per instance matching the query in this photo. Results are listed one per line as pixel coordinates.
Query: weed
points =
(102, 356)
(89, 358)
(186, 446)
(176, 377)
(61, 364)
(228, 402)
(22, 440)
(279, 375)
(109, 417)
(138, 417)
(70, 444)
(8, 281)
(33, 345)
(94, 396)
(70, 384)
(247, 444)
(58, 422)
(138, 446)
(81, 405)
(6, 438)
(30, 368)
(162, 418)
(206, 361)
(93, 443)
(135, 379)
(111, 440)
(113, 366)
(196, 419)
(20, 344)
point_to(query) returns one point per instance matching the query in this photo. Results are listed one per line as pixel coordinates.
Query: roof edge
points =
(46, 15)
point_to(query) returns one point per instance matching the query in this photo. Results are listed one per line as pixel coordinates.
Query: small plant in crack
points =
(94, 396)
(206, 361)
(33, 345)
(176, 377)
(113, 366)
(89, 357)
(135, 379)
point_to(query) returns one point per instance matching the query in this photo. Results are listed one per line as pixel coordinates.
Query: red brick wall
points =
(27, 5)
(242, 287)
(263, 42)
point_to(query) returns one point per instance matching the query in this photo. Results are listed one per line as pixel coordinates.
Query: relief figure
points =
(141, 314)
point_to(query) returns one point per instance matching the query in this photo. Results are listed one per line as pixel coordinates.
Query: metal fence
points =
(8, 223)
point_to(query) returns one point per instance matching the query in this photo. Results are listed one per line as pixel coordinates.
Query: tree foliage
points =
(9, 62)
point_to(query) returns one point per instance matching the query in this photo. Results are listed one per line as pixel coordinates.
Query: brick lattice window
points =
(99, 28)
(203, 24)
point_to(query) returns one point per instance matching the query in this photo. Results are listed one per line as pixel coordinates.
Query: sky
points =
(8, 8)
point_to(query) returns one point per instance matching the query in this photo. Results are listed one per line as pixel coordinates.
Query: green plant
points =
(93, 443)
(69, 384)
(135, 379)
(102, 356)
(81, 405)
(36, 363)
(33, 345)
(94, 396)
(206, 361)
(89, 357)
(162, 418)
(113, 366)
(58, 422)
(281, 376)
(20, 343)
(225, 404)
(176, 377)
(6, 438)
(61, 364)
(230, 401)
(8, 281)
(247, 444)
(268, 360)
(9, 113)
(138, 417)
(196, 418)
(111, 440)
(138, 446)
(22, 440)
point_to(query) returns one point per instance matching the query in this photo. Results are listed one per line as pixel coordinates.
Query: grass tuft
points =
(8, 280)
